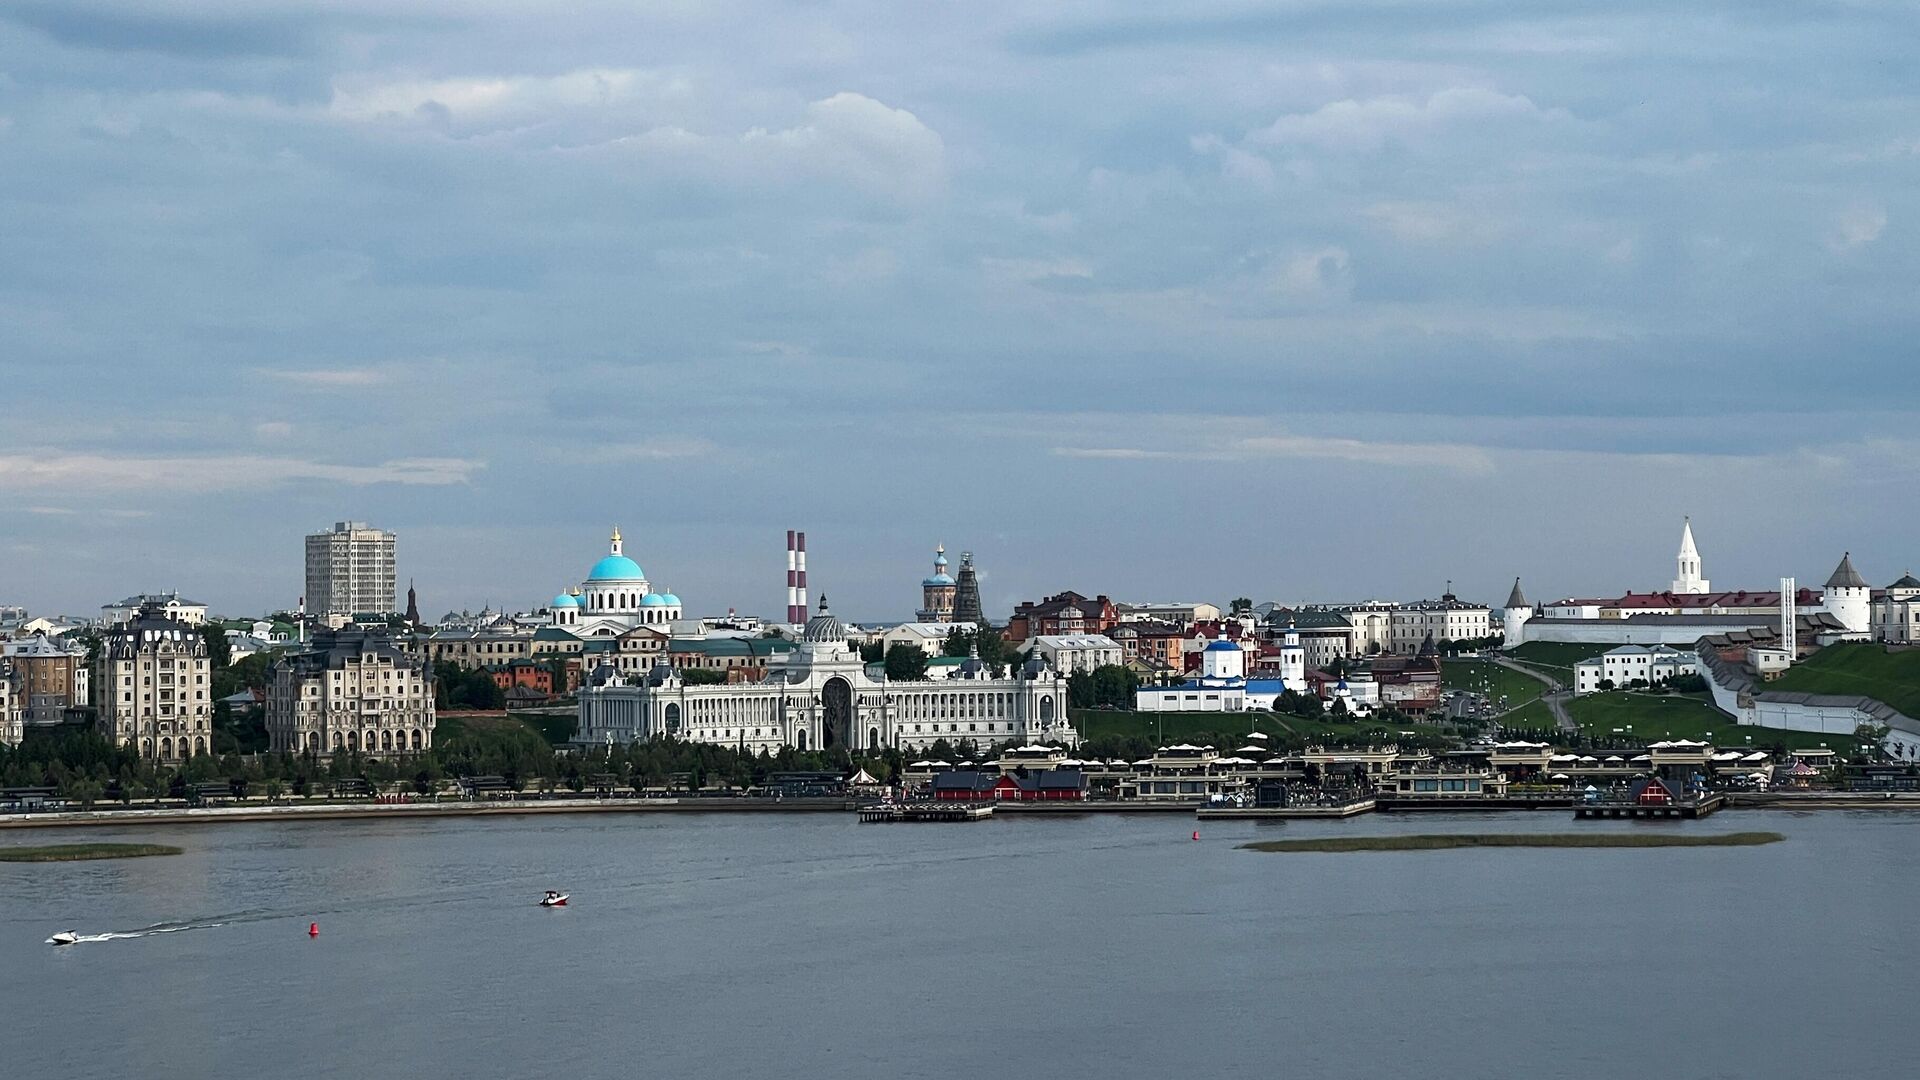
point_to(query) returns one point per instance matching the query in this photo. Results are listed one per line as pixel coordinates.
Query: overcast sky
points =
(1299, 301)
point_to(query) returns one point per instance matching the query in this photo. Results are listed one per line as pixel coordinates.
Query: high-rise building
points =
(350, 570)
(966, 593)
(152, 685)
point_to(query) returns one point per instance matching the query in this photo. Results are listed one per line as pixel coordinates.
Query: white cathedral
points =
(615, 598)
(823, 695)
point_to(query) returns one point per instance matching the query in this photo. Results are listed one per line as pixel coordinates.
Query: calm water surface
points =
(809, 945)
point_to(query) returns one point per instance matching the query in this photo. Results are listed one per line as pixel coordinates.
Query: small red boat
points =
(554, 899)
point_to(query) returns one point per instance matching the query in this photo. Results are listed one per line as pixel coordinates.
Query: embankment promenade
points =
(213, 815)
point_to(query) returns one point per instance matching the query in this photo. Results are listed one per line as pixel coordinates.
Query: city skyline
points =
(1499, 292)
(877, 598)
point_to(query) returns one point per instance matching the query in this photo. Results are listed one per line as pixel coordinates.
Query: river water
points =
(746, 946)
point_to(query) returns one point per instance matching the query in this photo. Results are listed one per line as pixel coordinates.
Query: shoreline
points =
(214, 815)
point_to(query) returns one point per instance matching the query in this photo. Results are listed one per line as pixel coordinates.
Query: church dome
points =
(616, 568)
(1222, 645)
(823, 628)
(670, 600)
(938, 579)
(565, 600)
(652, 599)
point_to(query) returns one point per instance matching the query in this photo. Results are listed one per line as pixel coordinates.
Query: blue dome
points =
(938, 579)
(1222, 646)
(616, 568)
(565, 600)
(652, 599)
(670, 600)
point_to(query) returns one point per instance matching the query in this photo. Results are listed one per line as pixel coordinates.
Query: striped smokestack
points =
(802, 583)
(795, 612)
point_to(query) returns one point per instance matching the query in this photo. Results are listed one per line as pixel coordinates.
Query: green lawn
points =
(1891, 677)
(1223, 731)
(1554, 655)
(1492, 680)
(1229, 732)
(1534, 715)
(1653, 717)
(78, 852)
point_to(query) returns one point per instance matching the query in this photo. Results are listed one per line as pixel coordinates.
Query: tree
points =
(1241, 605)
(219, 649)
(906, 663)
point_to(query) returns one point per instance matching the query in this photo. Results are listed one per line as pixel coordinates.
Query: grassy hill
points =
(1892, 677)
(1492, 680)
(1554, 654)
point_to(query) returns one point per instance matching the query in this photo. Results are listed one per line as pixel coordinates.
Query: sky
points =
(1299, 301)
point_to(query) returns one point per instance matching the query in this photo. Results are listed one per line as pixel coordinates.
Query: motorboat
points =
(554, 899)
(64, 937)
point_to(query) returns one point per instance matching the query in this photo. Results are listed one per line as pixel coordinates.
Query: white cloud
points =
(493, 103)
(847, 137)
(327, 378)
(214, 472)
(1313, 278)
(664, 448)
(1857, 226)
(1450, 457)
(1370, 124)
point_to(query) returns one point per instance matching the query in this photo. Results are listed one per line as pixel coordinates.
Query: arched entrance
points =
(672, 717)
(836, 706)
(1046, 711)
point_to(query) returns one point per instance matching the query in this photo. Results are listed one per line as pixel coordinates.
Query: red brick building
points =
(1061, 613)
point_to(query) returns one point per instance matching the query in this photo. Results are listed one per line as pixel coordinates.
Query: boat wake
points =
(158, 928)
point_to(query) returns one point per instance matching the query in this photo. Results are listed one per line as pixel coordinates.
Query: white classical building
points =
(350, 691)
(169, 605)
(151, 684)
(928, 637)
(822, 695)
(1071, 653)
(615, 598)
(1618, 668)
(1220, 687)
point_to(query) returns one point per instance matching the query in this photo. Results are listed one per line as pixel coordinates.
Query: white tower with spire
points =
(1293, 662)
(1848, 597)
(1687, 577)
(1515, 616)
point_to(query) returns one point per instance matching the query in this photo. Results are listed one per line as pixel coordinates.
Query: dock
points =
(1269, 813)
(1396, 803)
(927, 811)
(1681, 808)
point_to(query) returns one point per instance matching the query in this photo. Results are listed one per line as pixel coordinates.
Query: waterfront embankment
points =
(210, 815)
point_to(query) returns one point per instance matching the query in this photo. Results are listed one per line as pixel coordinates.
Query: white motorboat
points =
(64, 937)
(554, 899)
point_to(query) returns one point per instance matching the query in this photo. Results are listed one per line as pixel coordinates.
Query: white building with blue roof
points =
(615, 598)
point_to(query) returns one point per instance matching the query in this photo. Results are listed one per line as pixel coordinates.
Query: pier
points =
(927, 811)
(1345, 809)
(1679, 808)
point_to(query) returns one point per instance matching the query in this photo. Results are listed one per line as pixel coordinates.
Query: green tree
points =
(1240, 605)
(219, 649)
(906, 663)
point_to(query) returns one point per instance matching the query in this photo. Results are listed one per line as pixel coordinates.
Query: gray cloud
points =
(899, 276)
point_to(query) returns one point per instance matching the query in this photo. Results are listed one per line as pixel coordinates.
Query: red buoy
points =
(1196, 834)
(313, 929)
